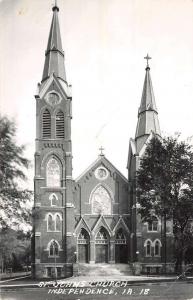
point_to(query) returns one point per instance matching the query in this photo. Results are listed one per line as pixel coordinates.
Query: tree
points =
(165, 187)
(13, 199)
(14, 249)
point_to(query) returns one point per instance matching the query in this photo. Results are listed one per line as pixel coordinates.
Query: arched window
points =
(120, 237)
(102, 236)
(157, 246)
(101, 201)
(54, 199)
(60, 125)
(54, 248)
(83, 237)
(50, 223)
(153, 224)
(46, 125)
(147, 246)
(53, 173)
(58, 223)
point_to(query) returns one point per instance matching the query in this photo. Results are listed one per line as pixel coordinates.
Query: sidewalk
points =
(4, 276)
(87, 280)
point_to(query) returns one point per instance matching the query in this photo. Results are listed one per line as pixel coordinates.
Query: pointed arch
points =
(157, 247)
(46, 124)
(58, 222)
(59, 125)
(120, 237)
(50, 223)
(148, 245)
(83, 237)
(53, 174)
(53, 199)
(102, 236)
(101, 201)
(53, 248)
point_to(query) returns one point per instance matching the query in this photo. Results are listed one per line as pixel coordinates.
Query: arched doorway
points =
(83, 246)
(102, 246)
(121, 249)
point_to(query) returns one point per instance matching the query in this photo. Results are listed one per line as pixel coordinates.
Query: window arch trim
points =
(148, 248)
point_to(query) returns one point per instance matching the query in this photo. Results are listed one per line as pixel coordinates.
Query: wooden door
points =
(101, 253)
(83, 253)
(121, 255)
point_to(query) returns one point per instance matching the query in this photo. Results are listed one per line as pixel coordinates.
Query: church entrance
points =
(83, 246)
(121, 249)
(102, 246)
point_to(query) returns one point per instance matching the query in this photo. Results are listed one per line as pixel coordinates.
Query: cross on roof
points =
(101, 149)
(147, 57)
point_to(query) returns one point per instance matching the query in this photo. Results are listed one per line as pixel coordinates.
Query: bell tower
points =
(53, 214)
(147, 127)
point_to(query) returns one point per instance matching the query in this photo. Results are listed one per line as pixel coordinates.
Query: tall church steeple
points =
(54, 60)
(53, 183)
(147, 115)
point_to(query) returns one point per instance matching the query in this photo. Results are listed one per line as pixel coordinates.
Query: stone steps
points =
(104, 269)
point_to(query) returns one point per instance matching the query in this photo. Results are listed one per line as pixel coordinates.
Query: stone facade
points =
(92, 219)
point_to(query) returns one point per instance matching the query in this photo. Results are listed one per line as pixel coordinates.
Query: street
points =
(172, 291)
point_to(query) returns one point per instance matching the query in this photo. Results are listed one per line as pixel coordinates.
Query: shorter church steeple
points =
(54, 61)
(147, 115)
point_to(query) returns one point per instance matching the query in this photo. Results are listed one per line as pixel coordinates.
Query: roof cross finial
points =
(147, 57)
(101, 149)
(55, 7)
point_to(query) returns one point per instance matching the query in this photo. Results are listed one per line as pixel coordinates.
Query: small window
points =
(58, 223)
(157, 248)
(153, 224)
(54, 250)
(60, 125)
(148, 248)
(54, 199)
(46, 125)
(50, 224)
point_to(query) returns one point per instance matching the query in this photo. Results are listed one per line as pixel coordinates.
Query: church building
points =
(94, 218)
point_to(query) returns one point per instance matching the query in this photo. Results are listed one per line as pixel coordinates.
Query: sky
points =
(105, 42)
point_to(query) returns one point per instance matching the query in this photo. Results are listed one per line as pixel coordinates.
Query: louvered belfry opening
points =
(60, 125)
(46, 125)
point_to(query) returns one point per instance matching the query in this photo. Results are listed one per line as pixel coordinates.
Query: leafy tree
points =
(13, 199)
(14, 249)
(165, 187)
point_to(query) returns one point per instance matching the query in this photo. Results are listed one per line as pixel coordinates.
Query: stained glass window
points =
(101, 201)
(53, 173)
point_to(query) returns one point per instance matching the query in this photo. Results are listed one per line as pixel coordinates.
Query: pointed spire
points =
(147, 115)
(54, 61)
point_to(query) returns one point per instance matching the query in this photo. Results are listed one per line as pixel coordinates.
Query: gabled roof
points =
(121, 224)
(103, 161)
(64, 90)
(102, 222)
(83, 224)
